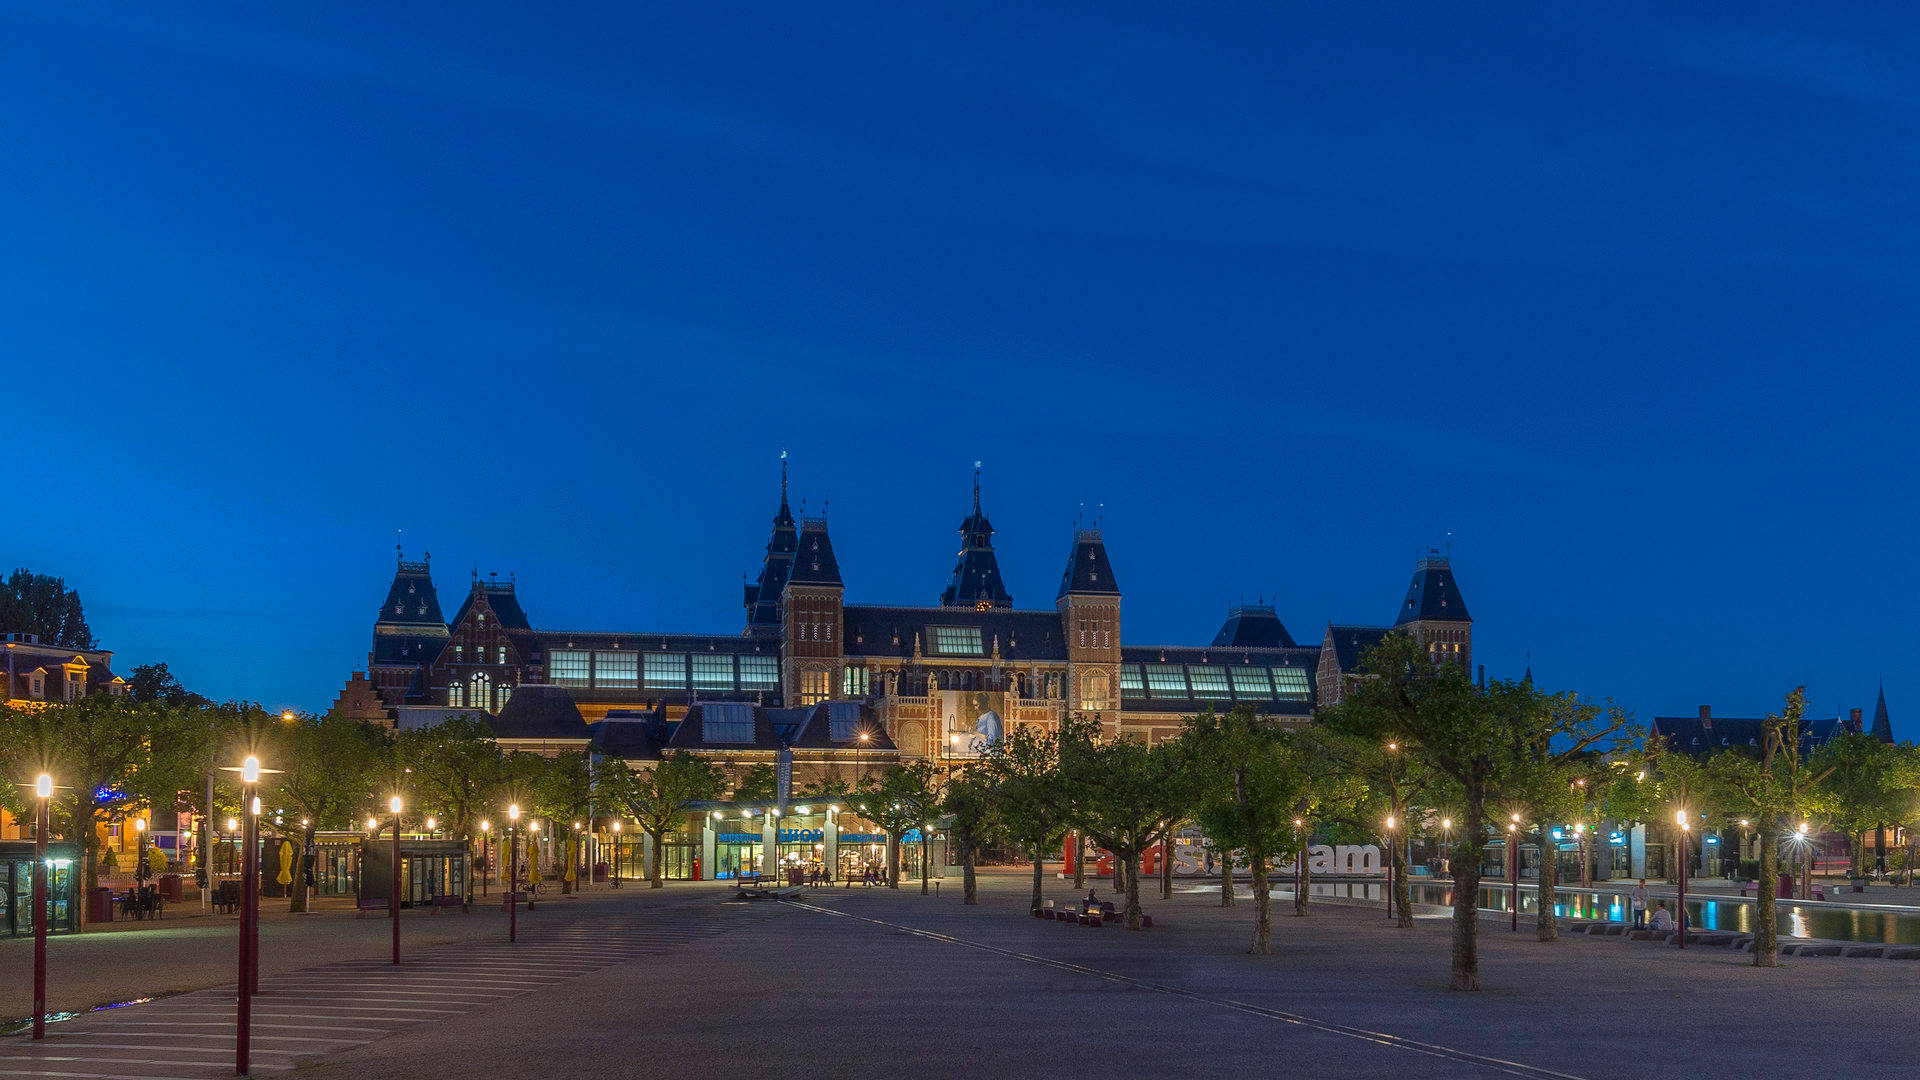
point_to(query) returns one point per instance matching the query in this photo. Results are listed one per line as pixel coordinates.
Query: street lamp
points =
(1513, 873)
(1446, 830)
(1299, 863)
(249, 770)
(1580, 845)
(533, 853)
(1686, 856)
(139, 853)
(486, 827)
(394, 804)
(513, 873)
(42, 824)
(616, 853)
(1390, 854)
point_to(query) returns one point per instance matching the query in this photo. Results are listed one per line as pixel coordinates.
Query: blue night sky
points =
(1619, 300)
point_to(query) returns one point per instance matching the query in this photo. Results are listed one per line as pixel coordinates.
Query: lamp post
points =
(1686, 856)
(1513, 872)
(249, 771)
(533, 854)
(1299, 862)
(1390, 852)
(42, 824)
(513, 872)
(1446, 860)
(486, 828)
(1806, 862)
(1580, 846)
(616, 853)
(394, 805)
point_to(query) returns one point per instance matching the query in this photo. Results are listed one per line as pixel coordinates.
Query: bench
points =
(439, 902)
(1752, 888)
(371, 903)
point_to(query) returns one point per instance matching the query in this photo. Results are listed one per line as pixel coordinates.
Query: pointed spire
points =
(1882, 724)
(976, 486)
(976, 581)
(1088, 571)
(763, 597)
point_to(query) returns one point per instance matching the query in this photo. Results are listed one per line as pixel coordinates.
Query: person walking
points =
(1637, 899)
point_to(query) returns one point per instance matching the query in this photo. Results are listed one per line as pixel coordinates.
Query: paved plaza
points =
(866, 982)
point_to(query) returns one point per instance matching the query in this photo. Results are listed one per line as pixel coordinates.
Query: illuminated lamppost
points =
(1446, 860)
(139, 854)
(486, 829)
(1580, 847)
(1806, 861)
(533, 854)
(42, 824)
(394, 805)
(1389, 867)
(250, 772)
(616, 853)
(576, 855)
(1299, 863)
(1686, 856)
(1513, 872)
(513, 873)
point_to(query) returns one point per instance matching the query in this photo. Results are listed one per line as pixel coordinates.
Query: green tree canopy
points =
(41, 605)
(1127, 795)
(1248, 786)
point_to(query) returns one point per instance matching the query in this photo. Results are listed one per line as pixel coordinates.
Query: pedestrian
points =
(1093, 899)
(1662, 918)
(1637, 899)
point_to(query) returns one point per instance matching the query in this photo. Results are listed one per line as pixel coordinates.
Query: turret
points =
(1089, 606)
(408, 633)
(976, 579)
(812, 620)
(763, 596)
(1435, 614)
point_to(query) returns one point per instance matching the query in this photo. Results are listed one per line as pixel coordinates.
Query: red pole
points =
(43, 823)
(1389, 876)
(243, 1026)
(1513, 876)
(513, 880)
(396, 887)
(1681, 906)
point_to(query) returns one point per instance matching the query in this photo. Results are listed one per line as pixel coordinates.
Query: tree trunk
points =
(1546, 926)
(1079, 861)
(297, 891)
(969, 887)
(1466, 894)
(1305, 877)
(1262, 903)
(655, 879)
(1402, 889)
(1038, 864)
(893, 860)
(1766, 935)
(1131, 869)
(1226, 879)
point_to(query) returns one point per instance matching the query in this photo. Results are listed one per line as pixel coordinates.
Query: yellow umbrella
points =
(568, 875)
(286, 863)
(533, 867)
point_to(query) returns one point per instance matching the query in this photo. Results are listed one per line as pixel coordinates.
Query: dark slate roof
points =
(411, 599)
(1255, 626)
(976, 576)
(690, 734)
(1088, 571)
(1350, 643)
(815, 731)
(539, 711)
(500, 598)
(1698, 736)
(404, 646)
(651, 641)
(633, 736)
(763, 597)
(1433, 594)
(1882, 725)
(813, 561)
(890, 631)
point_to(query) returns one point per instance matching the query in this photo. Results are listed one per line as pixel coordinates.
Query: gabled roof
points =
(870, 630)
(813, 561)
(846, 719)
(691, 734)
(1088, 571)
(539, 711)
(1698, 736)
(1432, 594)
(1254, 625)
(500, 600)
(976, 576)
(632, 736)
(1350, 643)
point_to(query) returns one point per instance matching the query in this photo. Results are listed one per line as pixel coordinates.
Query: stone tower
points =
(811, 619)
(1089, 606)
(1435, 615)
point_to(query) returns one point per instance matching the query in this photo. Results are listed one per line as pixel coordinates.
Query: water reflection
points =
(1795, 920)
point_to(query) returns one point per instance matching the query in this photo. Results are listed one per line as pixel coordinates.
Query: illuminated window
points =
(856, 681)
(570, 668)
(503, 655)
(1094, 691)
(726, 722)
(957, 640)
(1208, 682)
(500, 695)
(480, 691)
(1251, 682)
(459, 652)
(759, 673)
(1166, 681)
(1130, 679)
(815, 685)
(712, 671)
(457, 695)
(1291, 682)
(666, 671)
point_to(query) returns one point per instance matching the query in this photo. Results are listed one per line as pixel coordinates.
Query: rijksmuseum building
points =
(847, 687)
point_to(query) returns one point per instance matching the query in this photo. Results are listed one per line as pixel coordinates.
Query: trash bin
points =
(171, 888)
(100, 905)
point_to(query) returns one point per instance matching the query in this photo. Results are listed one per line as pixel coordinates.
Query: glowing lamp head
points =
(287, 715)
(250, 770)
(1389, 822)
(1393, 746)
(1515, 817)
(616, 826)
(1743, 823)
(716, 815)
(866, 736)
(1803, 828)
(393, 804)
(1446, 823)
(43, 786)
(513, 812)
(533, 826)
(1297, 823)
(372, 824)
(233, 824)
(430, 824)
(139, 824)
(1578, 828)
(485, 825)
(1513, 828)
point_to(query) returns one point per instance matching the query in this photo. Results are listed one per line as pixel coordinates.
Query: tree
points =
(659, 797)
(1861, 792)
(975, 820)
(1554, 751)
(457, 772)
(562, 790)
(95, 748)
(1249, 783)
(37, 604)
(1773, 789)
(756, 783)
(1025, 772)
(1387, 782)
(1126, 794)
(153, 682)
(329, 769)
(906, 798)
